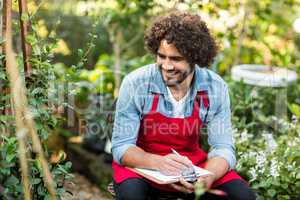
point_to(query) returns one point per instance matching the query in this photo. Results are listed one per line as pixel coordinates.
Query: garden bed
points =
(82, 189)
(96, 167)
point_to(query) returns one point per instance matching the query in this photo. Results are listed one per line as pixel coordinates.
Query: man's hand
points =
(183, 186)
(172, 164)
(186, 187)
(206, 181)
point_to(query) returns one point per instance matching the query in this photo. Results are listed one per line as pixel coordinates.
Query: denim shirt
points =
(136, 97)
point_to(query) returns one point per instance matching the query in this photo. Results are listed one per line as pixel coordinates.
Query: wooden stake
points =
(1, 22)
(24, 31)
(5, 18)
(3, 30)
(1, 49)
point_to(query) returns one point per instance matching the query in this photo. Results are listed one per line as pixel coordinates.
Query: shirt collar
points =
(199, 82)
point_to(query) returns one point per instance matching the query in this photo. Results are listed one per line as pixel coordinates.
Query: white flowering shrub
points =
(271, 164)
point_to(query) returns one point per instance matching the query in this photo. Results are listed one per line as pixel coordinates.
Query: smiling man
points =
(163, 106)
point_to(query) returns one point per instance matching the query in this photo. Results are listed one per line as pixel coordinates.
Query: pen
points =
(175, 152)
(189, 173)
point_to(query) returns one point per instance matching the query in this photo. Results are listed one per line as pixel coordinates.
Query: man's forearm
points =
(217, 165)
(137, 157)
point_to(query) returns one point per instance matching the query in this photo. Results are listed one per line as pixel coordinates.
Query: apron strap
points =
(204, 97)
(155, 102)
(201, 96)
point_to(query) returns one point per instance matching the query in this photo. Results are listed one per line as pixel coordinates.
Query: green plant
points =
(46, 122)
(271, 164)
(254, 108)
(10, 174)
(267, 145)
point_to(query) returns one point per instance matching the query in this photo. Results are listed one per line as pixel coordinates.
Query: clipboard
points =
(159, 178)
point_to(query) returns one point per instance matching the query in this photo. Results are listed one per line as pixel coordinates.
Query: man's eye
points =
(161, 56)
(177, 59)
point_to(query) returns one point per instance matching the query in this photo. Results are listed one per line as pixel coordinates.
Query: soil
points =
(80, 188)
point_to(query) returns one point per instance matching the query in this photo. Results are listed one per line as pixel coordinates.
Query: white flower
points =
(274, 168)
(292, 125)
(226, 43)
(289, 167)
(271, 143)
(253, 174)
(292, 143)
(254, 93)
(284, 124)
(260, 161)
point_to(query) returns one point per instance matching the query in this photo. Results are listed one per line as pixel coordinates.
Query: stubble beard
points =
(181, 77)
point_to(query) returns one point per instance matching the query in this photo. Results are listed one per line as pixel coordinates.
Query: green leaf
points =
(47, 197)
(285, 185)
(31, 39)
(25, 17)
(271, 192)
(36, 181)
(10, 157)
(276, 183)
(62, 169)
(41, 190)
(295, 109)
(284, 197)
(60, 191)
(68, 165)
(80, 53)
(12, 180)
(37, 90)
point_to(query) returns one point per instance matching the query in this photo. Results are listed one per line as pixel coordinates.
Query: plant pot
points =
(262, 75)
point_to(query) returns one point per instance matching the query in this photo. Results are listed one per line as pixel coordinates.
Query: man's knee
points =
(132, 189)
(238, 190)
(244, 195)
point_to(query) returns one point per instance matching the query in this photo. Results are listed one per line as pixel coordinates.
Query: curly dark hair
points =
(188, 33)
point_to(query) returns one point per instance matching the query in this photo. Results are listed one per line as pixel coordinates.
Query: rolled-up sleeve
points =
(126, 122)
(220, 136)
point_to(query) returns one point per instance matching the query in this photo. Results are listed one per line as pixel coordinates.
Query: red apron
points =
(158, 134)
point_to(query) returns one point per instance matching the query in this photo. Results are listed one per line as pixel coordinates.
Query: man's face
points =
(174, 67)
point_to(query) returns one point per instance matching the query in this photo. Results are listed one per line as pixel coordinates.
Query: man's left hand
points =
(183, 186)
(186, 187)
(206, 181)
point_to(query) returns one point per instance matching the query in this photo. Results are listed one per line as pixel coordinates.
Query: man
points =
(162, 106)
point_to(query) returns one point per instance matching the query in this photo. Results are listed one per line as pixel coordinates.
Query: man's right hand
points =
(172, 164)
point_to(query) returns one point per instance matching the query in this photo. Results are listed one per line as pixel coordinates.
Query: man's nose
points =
(167, 65)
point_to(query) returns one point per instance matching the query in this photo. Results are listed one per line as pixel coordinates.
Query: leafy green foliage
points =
(37, 93)
(272, 166)
(10, 173)
(267, 145)
(254, 108)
